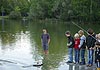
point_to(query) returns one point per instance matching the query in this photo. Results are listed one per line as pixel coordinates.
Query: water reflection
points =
(3, 24)
(16, 48)
(76, 67)
(21, 44)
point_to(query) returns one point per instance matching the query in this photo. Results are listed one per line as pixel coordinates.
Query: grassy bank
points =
(5, 17)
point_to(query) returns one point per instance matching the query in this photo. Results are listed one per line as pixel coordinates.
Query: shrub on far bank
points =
(15, 15)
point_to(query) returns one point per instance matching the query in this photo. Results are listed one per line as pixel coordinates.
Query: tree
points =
(42, 8)
(86, 10)
(10, 5)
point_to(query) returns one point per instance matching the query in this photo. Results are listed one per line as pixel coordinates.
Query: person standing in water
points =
(45, 39)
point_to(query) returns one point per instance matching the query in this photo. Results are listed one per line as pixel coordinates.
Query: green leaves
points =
(87, 9)
(42, 8)
(81, 10)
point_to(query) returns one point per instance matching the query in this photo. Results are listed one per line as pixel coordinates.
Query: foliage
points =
(42, 8)
(86, 10)
(80, 10)
(15, 15)
(11, 5)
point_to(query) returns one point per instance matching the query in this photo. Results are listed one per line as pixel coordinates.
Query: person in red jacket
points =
(76, 48)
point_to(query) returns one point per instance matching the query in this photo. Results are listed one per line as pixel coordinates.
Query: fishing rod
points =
(83, 30)
(8, 61)
(32, 65)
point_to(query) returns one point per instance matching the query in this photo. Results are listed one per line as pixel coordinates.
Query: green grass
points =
(5, 17)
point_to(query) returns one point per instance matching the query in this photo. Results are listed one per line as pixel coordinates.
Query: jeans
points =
(82, 56)
(90, 56)
(70, 54)
(77, 55)
(45, 46)
(98, 64)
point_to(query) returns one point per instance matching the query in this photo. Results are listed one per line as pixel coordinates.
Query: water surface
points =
(20, 44)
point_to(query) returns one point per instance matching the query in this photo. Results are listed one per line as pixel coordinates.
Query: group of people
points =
(80, 43)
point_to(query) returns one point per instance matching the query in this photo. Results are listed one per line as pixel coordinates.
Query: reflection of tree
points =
(51, 61)
(24, 25)
(7, 39)
(46, 63)
(57, 46)
(77, 67)
(35, 34)
(83, 68)
(11, 27)
(70, 67)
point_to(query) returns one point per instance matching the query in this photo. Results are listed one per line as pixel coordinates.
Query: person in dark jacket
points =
(70, 46)
(97, 53)
(90, 42)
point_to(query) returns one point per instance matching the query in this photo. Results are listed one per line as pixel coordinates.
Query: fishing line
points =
(83, 30)
(80, 27)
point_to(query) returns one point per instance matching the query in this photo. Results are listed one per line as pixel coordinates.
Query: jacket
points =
(82, 44)
(90, 41)
(70, 43)
(77, 42)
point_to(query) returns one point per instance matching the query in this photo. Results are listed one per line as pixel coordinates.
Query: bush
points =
(15, 15)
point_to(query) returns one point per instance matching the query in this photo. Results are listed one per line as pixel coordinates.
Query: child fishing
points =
(90, 42)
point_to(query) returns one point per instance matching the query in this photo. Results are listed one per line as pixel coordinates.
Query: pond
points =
(20, 44)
